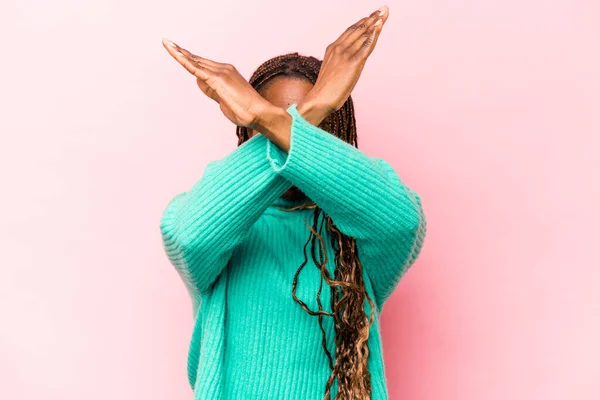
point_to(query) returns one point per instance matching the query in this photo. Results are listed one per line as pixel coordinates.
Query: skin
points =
(282, 92)
(342, 65)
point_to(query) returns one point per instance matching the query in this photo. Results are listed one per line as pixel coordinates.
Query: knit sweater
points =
(237, 252)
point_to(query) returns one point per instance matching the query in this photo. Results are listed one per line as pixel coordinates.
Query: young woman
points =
(294, 206)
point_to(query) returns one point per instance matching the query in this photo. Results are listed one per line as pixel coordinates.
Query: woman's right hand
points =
(342, 65)
(238, 100)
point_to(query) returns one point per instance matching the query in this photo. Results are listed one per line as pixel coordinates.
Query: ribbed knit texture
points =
(237, 253)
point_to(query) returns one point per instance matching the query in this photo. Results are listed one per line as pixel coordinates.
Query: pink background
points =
(488, 109)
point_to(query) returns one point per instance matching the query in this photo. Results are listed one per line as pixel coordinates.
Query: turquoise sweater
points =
(237, 253)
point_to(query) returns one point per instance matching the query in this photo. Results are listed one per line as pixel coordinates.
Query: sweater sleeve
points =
(363, 195)
(201, 227)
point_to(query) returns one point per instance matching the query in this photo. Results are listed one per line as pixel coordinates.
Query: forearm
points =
(202, 226)
(363, 195)
(313, 110)
(276, 123)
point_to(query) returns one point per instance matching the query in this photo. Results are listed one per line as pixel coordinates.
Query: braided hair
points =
(348, 293)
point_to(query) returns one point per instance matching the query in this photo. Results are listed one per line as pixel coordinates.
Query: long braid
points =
(348, 294)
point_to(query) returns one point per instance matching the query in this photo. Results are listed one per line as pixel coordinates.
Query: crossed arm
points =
(363, 195)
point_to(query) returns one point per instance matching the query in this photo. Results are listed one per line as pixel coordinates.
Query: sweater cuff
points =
(308, 144)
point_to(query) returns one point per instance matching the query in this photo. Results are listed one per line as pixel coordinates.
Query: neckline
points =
(288, 203)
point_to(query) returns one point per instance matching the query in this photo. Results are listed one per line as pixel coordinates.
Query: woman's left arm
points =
(363, 195)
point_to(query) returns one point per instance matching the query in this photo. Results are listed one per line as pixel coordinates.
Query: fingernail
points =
(170, 43)
(378, 22)
(382, 10)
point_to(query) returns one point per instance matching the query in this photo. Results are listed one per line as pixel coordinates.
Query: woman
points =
(296, 184)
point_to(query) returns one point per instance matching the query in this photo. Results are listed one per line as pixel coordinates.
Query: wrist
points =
(270, 119)
(312, 110)
(275, 123)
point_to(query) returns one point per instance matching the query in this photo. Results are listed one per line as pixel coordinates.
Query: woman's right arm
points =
(201, 227)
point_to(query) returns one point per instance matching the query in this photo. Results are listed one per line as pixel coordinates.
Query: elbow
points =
(188, 247)
(190, 258)
(185, 232)
(408, 225)
(191, 243)
(182, 249)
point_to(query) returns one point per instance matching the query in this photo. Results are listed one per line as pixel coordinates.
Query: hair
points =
(347, 288)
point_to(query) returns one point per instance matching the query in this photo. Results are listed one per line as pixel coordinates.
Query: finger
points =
(202, 68)
(180, 54)
(384, 13)
(349, 31)
(204, 61)
(196, 68)
(364, 46)
(355, 30)
(168, 43)
(173, 50)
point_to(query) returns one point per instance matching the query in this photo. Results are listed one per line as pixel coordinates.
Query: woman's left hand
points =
(238, 100)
